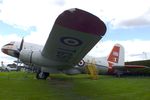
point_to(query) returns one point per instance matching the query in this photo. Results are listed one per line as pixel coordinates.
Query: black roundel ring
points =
(71, 41)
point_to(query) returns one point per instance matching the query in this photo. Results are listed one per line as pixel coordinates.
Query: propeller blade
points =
(21, 45)
(17, 52)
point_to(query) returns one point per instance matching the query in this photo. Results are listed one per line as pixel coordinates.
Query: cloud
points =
(138, 48)
(119, 13)
(137, 22)
(59, 2)
(27, 13)
(140, 21)
(41, 14)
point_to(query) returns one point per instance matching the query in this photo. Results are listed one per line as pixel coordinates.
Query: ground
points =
(24, 86)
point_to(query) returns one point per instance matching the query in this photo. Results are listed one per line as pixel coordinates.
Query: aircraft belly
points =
(37, 59)
(102, 69)
(50, 70)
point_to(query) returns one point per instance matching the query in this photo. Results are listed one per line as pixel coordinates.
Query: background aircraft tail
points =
(116, 56)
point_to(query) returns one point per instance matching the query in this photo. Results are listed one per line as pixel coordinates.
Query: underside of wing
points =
(73, 35)
(140, 62)
(133, 69)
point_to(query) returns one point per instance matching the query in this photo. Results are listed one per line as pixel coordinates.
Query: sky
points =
(127, 21)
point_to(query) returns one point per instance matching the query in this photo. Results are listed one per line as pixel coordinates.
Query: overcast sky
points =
(127, 21)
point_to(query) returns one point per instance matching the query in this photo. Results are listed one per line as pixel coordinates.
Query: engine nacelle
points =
(36, 58)
(31, 57)
(26, 56)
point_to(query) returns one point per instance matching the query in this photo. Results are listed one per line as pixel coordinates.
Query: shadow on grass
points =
(64, 86)
(24, 86)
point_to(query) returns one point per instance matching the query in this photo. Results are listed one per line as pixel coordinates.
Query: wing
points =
(73, 35)
(132, 69)
(141, 62)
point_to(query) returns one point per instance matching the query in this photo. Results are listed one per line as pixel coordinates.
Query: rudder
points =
(116, 56)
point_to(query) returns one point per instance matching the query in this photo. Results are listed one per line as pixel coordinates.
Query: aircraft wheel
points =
(42, 75)
(118, 74)
(6, 70)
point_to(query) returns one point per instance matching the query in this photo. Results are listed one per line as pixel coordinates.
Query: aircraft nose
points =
(4, 50)
(9, 51)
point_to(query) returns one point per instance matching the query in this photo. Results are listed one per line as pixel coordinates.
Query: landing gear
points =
(119, 73)
(42, 75)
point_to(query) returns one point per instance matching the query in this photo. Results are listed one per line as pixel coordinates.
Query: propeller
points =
(17, 53)
(21, 45)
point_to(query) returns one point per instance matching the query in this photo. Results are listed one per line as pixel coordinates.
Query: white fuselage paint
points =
(51, 66)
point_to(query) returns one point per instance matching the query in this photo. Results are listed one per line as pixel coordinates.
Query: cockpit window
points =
(9, 44)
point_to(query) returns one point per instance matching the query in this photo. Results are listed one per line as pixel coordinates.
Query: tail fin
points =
(116, 56)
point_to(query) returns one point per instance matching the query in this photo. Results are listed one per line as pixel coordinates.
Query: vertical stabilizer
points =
(116, 56)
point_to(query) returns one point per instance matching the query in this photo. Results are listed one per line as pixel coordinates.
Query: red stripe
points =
(110, 68)
(114, 55)
(134, 66)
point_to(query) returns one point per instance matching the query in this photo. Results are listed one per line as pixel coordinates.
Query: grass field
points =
(24, 86)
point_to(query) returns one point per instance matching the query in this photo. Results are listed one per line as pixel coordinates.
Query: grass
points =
(24, 86)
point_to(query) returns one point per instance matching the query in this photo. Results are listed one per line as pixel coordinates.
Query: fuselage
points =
(31, 53)
(13, 47)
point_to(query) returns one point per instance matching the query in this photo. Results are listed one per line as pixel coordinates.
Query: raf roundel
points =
(71, 41)
(81, 63)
